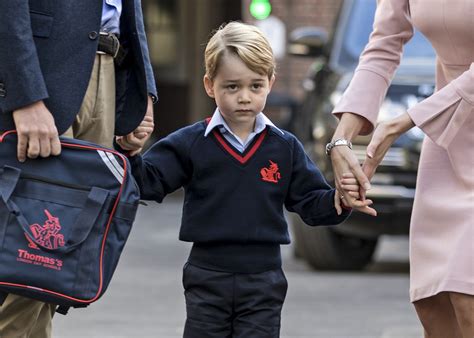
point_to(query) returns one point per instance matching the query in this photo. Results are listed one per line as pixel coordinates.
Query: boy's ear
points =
(272, 81)
(208, 86)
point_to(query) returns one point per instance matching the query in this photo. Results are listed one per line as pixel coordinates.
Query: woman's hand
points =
(385, 134)
(344, 161)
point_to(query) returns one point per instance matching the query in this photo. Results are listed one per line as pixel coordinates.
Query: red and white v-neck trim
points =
(248, 154)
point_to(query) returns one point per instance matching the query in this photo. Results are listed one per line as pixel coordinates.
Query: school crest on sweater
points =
(270, 174)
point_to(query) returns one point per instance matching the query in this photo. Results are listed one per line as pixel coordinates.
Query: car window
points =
(356, 33)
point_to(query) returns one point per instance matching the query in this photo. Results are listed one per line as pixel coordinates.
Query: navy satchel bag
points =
(64, 221)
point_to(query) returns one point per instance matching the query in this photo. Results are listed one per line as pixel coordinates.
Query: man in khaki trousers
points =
(22, 317)
(81, 83)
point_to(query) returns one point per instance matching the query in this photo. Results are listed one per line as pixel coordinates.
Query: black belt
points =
(110, 45)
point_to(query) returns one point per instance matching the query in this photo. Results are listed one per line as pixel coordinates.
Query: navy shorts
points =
(225, 304)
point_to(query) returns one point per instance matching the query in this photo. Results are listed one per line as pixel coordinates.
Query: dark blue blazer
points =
(47, 50)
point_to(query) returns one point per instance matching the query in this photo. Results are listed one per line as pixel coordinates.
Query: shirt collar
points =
(261, 122)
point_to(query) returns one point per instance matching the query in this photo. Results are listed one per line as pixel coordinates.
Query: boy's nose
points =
(244, 98)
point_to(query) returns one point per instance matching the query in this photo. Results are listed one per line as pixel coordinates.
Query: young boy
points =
(238, 171)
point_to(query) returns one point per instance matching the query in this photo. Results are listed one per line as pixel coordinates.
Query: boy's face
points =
(239, 92)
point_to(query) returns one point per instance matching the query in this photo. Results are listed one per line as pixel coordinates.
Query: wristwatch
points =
(337, 142)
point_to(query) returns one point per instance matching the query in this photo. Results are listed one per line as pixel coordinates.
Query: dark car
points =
(351, 245)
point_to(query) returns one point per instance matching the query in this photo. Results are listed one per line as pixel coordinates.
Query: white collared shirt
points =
(261, 122)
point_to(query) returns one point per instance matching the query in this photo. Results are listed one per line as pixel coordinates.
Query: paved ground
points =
(145, 296)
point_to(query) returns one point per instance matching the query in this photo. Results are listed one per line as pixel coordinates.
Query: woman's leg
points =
(438, 317)
(464, 309)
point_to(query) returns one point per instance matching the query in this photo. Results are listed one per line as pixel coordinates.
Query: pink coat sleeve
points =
(447, 118)
(378, 62)
(442, 115)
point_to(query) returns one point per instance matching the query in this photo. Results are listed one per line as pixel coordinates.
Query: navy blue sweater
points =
(233, 206)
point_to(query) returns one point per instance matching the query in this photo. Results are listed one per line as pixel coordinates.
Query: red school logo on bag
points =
(47, 235)
(270, 174)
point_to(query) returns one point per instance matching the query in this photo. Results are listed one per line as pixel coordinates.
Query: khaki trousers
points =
(95, 121)
(447, 315)
(22, 317)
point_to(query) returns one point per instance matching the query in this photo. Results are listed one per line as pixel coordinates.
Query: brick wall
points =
(297, 13)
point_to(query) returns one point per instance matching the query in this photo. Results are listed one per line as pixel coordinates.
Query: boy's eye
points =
(232, 87)
(257, 86)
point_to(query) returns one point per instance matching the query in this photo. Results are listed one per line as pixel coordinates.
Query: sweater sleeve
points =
(164, 168)
(309, 194)
(378, 62)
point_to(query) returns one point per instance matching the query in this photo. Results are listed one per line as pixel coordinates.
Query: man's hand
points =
(37, 133)
(135, 141)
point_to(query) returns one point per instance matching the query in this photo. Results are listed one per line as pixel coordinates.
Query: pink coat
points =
(441, 233)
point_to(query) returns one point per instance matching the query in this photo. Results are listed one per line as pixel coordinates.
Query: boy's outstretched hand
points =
(350, 184)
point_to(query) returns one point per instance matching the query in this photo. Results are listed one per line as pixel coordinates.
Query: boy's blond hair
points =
(243, 40)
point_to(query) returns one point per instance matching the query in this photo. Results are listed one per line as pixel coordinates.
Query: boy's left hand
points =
(350, 185)
(135, 141)
(339, 203)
